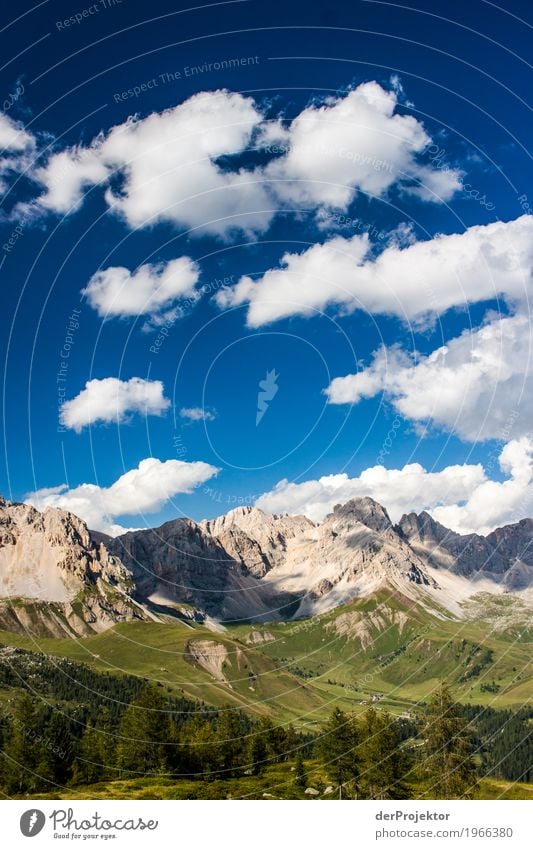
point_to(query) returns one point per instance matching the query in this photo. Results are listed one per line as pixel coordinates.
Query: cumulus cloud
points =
(414, 281)
(196, 414)
(460, 496)
(478, 385)
(67, 175)
(356, 141)
(113, 400)
(142, 490)
(168, 166)
(496, 503)
(399, 490)
(152, 289)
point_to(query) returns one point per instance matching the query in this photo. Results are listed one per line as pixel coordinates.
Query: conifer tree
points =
(384, 763)
(89, 765)
(448, 762)
(144, 734)
(338, 750)
(201, 739)
(230, 741)
(300, 775)
(56, 750)
(23, 748)
(257, 751)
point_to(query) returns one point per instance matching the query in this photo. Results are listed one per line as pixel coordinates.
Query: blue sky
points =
(279, 204)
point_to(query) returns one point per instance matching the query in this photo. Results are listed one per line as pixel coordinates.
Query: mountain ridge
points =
(245, 565)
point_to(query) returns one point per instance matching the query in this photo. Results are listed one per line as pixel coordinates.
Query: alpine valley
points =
(275, 614)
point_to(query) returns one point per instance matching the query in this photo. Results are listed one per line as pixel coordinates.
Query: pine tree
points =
(338, 750)
(230, 741)
(57, 750)
(107, 741)
(144, 734)
(384, 762)
(257, 751)
(96, 757)
(448, 762)
(300, 775)
(23, 749)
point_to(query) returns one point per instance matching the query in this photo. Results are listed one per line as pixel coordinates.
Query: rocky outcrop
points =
(214, 658)
(355, 551)
(255, 638)
(55, 579)
(183, 562)
(365, 626)
(505, 555)
(256, 539)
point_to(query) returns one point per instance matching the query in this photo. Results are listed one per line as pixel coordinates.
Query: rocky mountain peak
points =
(424, 528)
(364, 510)
(255, 522)
(247, 563)
(257, 540)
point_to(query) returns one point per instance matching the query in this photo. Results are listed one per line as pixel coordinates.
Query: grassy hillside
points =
(159, 653)
(381, 650)
(377, 648)
(383, 646)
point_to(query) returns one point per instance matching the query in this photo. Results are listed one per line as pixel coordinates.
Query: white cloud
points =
(196, 414)
(168, 168)
(142, 490)
(478, 386)
(152, 289)
(13, 137)
(399, 490)
(111, 399)
(461, 497)
(414, 281)
(168, 164)
(355, 142)
(68, 174)
(494, 503)
(17, 149)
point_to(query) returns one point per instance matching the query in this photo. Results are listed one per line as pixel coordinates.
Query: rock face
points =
(182, 562)
(355, 551)
(58, 578)
(256, 539)
(250, 564)
(55, 578)
(505, 555)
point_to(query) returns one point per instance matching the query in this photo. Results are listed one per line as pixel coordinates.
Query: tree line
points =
(101, 727)
(43, 746)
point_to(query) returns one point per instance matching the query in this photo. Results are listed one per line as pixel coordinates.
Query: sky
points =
(275, 254)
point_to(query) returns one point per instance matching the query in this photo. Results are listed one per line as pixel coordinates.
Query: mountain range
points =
(59, 578)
